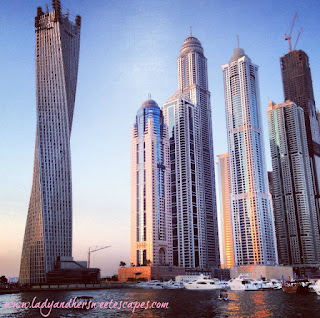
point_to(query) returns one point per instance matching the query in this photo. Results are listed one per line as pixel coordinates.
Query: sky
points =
(128, 49)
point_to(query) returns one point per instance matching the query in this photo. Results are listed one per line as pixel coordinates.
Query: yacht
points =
(316, 287)
(152, 284)
(300, 286)
(275, 284)
(173, 285)
(243, 283)
(203, 283)
(265, 285)
(224, 284)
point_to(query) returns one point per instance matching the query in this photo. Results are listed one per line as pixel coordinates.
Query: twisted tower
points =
(48, 232)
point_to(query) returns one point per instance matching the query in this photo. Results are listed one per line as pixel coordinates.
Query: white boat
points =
(224, 284)
(276, 284)
(316, 287)
(252, 285)
(173, 285)
(188, 278)
(152, 284)
(203, 283)
(265, 285)
(243, 283)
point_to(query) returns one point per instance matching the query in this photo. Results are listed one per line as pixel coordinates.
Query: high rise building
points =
(297, 87)
(193, 83)
(254, 241)
(225, 217)
(293, 197)
(188, 228)
(48, 232)
(151, 231)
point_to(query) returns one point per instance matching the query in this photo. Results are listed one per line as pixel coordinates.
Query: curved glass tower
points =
(151, 237)
(48, 232)
(252, 219)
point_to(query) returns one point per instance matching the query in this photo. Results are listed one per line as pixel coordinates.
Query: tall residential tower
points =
(253, 227)
(199, 243)
(297, 87)
(188, 226)
(48, 232)
(293, 198)
(225, 217)
(151, 231)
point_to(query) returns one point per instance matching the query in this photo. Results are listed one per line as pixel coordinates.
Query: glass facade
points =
(48, 232)
(252, 219)
(186, 192)
(193, 83)
(295, 213)
(298, 88)
(225, 218)
(151, 211)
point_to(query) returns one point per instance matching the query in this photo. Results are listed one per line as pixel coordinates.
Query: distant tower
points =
(297, 87)
(193, 83)
(151, 231)
(253, 230)
(225, 216)
(48, 232)
(294, 202)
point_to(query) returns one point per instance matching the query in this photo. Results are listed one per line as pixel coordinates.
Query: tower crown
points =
(238, 53)
(191, 44)
(149, 103)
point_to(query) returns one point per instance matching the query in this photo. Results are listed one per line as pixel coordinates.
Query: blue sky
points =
(128, 49)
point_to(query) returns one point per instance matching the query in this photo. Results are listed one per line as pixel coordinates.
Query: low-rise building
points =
(136, 273)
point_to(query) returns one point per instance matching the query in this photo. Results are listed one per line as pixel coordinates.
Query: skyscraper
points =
(225, 217)
(189, 245)
(297, 87)
(48, 232)
(193, 83)
(151, 231)
(253, 227)
(293, 197)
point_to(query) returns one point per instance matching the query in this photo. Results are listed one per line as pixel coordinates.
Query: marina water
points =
(182, 303)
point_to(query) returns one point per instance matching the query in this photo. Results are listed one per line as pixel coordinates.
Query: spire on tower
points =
(190, 30)
(238, 40)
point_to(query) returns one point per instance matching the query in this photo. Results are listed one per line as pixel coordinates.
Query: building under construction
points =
(297, 87)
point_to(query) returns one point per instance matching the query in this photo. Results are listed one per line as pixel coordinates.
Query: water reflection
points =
(182, 303)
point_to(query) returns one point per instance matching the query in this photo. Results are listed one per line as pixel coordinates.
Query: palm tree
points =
(3, 280)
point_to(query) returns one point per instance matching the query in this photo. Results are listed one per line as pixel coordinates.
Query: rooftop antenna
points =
(67, 13)
(149, 96)
(288, 37)
(238, 40)
(190, 30)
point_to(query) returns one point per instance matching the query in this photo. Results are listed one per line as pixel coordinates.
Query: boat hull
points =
(195, 287)
(297, 288)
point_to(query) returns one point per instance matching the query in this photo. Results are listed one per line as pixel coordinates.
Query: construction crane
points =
(297, 39)
(288, 37)
(95, 250)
